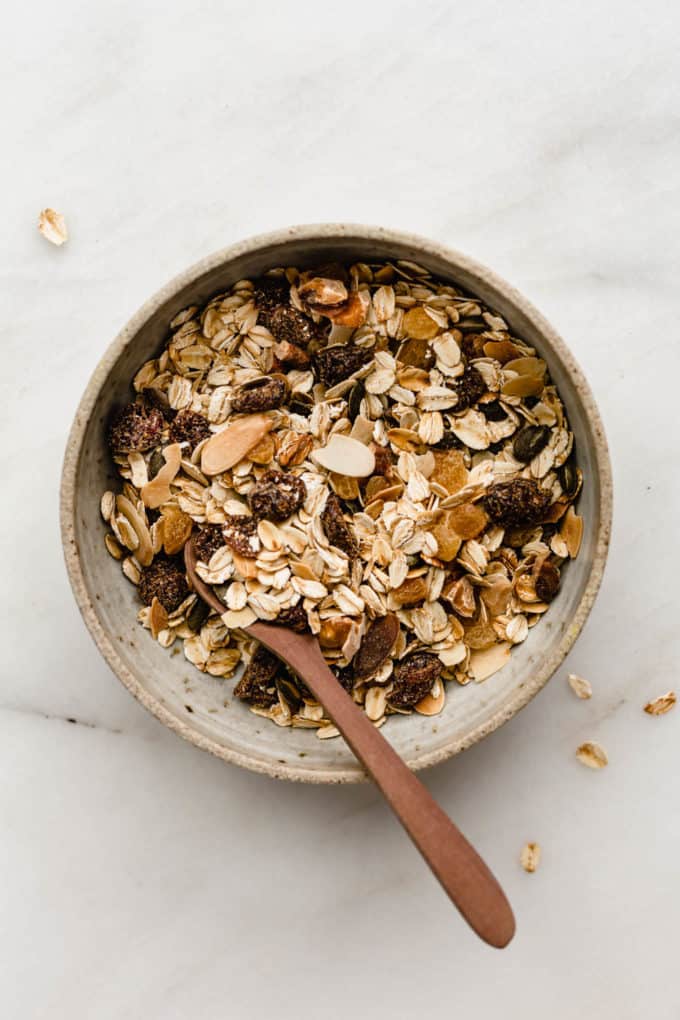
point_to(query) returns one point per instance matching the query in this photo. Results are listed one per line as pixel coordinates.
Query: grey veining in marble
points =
(146, 880)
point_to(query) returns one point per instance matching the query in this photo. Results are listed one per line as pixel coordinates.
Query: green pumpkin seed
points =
(529, 442)
(156, 463)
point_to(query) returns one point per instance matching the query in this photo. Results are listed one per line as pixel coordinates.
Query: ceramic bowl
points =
(201, 709)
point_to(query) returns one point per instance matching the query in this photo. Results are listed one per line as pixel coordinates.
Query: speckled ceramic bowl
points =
(200, 708)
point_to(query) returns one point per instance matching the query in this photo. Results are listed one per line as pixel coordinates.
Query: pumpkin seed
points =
(529, 442)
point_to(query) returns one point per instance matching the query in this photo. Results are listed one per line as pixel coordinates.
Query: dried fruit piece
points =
(301, 403)
(264, 452)
(286, 323)
(322, 293)
(207, 541)
(470, 387)
(413, 679)
(659, 706)
(334, 632)
(294, 447)
(416, 353)
(177, 527)
(419, 325)
(580, 686)
(163, 579)
(136, 427)
(228, 447)
(338, 531)
(547, 581)
(270, 293)
(468, 520)
(529, 442)
(339, 362)
(189, 427)
(258, 683)
(52, 226)
(263, 394)
(449, 470)
(493, 410)
(410, 593)
(376, 645)
(530, 857)
(239, 532)
(346, 456)
(448, 541)
(290, 355)
(295, 618)
(158, 618)
(592, 754)
(460, 595)
(352, 313)
(520, 501)
(277, 495)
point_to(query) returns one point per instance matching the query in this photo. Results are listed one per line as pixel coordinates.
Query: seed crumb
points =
(530, 857)
(659, 706)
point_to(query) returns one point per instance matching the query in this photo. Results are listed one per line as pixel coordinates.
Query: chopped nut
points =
(530, 857)
(322, 293)
(334, 632)
(659, 706)
(290, 355)
(52, 226)
(592, 755)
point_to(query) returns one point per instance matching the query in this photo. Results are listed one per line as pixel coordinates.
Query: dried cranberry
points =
(135, 428)
(277, 495)
(165, 580)
(520, 501)
(189, 427)
(334, 364)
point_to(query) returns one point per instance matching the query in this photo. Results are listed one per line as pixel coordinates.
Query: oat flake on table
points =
(365, 452)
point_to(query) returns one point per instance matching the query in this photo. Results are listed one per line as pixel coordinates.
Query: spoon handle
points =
(460, 870)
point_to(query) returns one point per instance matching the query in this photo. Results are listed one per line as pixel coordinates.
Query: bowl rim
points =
(323, 232)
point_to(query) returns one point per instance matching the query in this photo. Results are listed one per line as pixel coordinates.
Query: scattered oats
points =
(659, 706)
(131, 570)
(530, 857)
(592, 755)
(580, 686)
(52, 226)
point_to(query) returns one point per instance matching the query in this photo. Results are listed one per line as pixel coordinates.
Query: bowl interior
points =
(202, 708)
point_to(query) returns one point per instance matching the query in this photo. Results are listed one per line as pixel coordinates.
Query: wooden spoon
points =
(459, 868)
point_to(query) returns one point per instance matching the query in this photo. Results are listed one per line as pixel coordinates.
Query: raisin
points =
(135, 428)
(547, 581)
(158, 399)
(493, 411)
(207, 541)
(289, 690)
(277, 495)
(448, 442)
(529, 442)
(163, 580)
(376, 645)
(198, 614)
(530, 402)
(472, 345)
(333, 364)
(270, 293)
(413, 679)
(470, 387)
(189, 427)
(295, 618)
(258, 683)
(240, 533)
(344, 676)
(287, 324)
(263, 394)
(301, 403)
(520, 501)
(338, 531)
(497, 446)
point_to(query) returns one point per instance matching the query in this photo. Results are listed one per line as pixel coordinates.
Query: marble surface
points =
(143, 879)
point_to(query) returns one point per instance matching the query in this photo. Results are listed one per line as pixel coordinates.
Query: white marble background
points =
(143, 879)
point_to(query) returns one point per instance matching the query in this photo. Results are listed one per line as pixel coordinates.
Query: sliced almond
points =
(486, 662)
(659, 706)
(144, 551)
(346, 456)
(158, 618)
(433, 703)
(592, 754)
(572, 531)
(580, 686)
(157, 491)
(226, 448)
